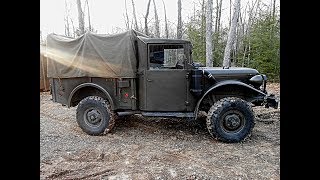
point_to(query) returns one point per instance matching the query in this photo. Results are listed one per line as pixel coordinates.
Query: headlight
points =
(264, 77)
(257, 79)
(264, 88)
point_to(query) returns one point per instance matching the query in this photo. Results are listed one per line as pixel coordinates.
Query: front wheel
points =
(230, 119)
(94, 115)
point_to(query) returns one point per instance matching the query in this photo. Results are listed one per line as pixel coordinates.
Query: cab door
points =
(166, 78)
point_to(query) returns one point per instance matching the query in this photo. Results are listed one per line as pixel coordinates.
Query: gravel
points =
(155, 148)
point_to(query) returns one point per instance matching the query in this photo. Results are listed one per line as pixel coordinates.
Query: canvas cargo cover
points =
(92, 55)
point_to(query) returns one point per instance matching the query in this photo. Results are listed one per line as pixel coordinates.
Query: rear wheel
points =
(94, 115)
(230, 119)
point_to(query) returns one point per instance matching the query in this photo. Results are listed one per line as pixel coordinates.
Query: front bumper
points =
(271, 101)
(266, 100)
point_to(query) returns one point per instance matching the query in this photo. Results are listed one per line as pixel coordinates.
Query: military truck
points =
(111, 76)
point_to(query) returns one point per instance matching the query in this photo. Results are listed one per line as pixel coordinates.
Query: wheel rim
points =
(93, 117)
(232, 121)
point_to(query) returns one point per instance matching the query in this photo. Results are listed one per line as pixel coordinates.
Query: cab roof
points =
(148, 40)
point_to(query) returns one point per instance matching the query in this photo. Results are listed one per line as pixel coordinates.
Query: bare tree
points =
(231, 35)
(230, 7)
(236, 41)
(194, 12)
(127, 18)
(203, 17)
(73, 28)
(218, 16)
(89, 20)
(273, 17)
(66, 20)
(140, 24)
(126, 21)
(209, 59)
(165, 20)
(217, 24)
(274, 9)
(156, 22)
(179, 26)
(134, 16)
(247, 31)
(80, 18)
(146, 19)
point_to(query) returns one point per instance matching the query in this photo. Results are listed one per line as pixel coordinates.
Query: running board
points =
(127, 113)
(169, 114)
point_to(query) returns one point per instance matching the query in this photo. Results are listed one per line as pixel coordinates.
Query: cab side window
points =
(166, 57)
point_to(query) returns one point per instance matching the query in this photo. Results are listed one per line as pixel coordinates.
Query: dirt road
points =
(155, 148)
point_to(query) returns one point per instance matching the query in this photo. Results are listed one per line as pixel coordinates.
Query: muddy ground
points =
(155, 148)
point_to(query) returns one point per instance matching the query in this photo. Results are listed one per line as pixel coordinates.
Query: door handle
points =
(149, 80)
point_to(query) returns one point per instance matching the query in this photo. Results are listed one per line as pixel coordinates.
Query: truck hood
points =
(233, 71)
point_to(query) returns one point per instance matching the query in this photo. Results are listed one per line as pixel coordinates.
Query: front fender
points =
(90, 85)
(224, 83)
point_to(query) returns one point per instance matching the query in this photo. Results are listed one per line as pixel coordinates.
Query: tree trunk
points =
(194, 12)
(217, 24)
(80, 18)
(273, 18)
(134, 17)
(66, 26)
(89, 20)
(73, 28)
(156, 22)
(248, 46)
(209, 59)
(230, 13)
(146, 19)
(126, 22)
(218, 16)
(248, 63)
(231, 35)
(66, 20)
(179, 26)
(235, 45)
(165, 20)
(274, 10)
(127, 17)
(203, 18)
(244, 55)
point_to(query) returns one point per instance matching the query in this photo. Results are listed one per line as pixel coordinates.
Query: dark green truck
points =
(107, 77)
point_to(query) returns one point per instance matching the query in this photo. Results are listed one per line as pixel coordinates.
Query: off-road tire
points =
(102, 109)
(229, 113)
